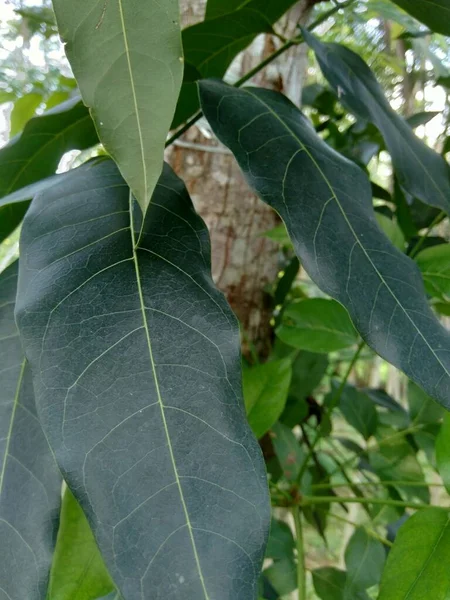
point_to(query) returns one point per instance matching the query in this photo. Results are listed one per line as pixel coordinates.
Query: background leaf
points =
(434, 264)
(417, 566)
(329, 584)
(326, 204)
(23, 111)
(364, 559)
(420, 170)
(127, 59)
(443, 452)
(30, 484)
(288, 451)
(146, 415)
(434, 13)
(358, 411)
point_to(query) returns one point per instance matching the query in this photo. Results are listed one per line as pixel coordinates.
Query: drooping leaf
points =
(417, 566)
(281, 542)
(364, 559)
(127, 58)
(282, 575)
(266, 388)
(358, 411)
(35, 154)
(78, 571)
(443, 452)
(30, 485)
(211, 46)
(422, 407)
(434, 264)
(434, 13)
(24, 109)
(317, 325)
(285, 282)
(146, 416)
(329, 584)
(326, 203)
(288, 451)
(420, 170)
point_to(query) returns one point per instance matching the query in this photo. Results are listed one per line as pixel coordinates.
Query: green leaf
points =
(420, 170)
(211, 46)
(434, 264)
(417, 566)
(422, 408)
(282, 575)
(364, 559)
(281, 542)
(217, 8)
(146, 416)
(24, 109)
(443, 452)
(421, 118)
(78, 571)
(30, 485)
(329, 584)
(434, 13)
(391, 230)
(265, 392)
(358, 411)
(288, 451)
(317, 325)
(127, 58)
(326, 204)
(35, 154)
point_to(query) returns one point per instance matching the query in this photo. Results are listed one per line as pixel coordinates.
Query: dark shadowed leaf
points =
(146, 416)
(433, 13)
(417, 566)
(216, 8)
(420, 170)
(329, 584)
(127, 59)
(326, 203)
(265, 392)
(78, 571)
(359, 411)
(317, 325)
(30, 484)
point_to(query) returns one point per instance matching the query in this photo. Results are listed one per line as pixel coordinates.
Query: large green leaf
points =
(326, 203)
(35, 154)
(420, 170)
(30, 485)
(317, 325)
(434, 264)
(127, 59)
(417, 566)
(145, 416)
(266, 388)
(434, 13)
(211, 46)
(78, 571)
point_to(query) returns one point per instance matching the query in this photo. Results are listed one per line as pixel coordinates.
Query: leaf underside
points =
(326, 204)
(145, 415)
(30, 484)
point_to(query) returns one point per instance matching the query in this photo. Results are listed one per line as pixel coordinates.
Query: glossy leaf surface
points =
(78, 571)
(146, 416)
(128, 61)
(420, 170)
(317, 325)
(326, 204)
(417, 566)
(30, 484)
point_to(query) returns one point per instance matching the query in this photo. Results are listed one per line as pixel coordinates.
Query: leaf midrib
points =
(357, 240)
(160, 401)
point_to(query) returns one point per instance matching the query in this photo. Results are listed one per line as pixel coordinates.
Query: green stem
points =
(312, 500)
(326, 486)
(421, 241)
(281, 50)
(371, 532)
(329, 410)
(301, 571)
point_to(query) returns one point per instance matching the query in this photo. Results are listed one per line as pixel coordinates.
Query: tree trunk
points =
(244, 262)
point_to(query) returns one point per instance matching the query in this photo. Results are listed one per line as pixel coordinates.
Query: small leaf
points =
(326, 204)
(422, 408)
(281, 542)
(417, 566)
(282, 575)
(288, 451)
(420, 170)
(24, 109)
(317, 325)
(127, 58)
(391, 230)
(433, 13)
(434, 264)
(30, 484)
(443, 452)
(364, 559)
(146, 416)
(78, 571)
(358, 411)
(265, 392)
(329, 584)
